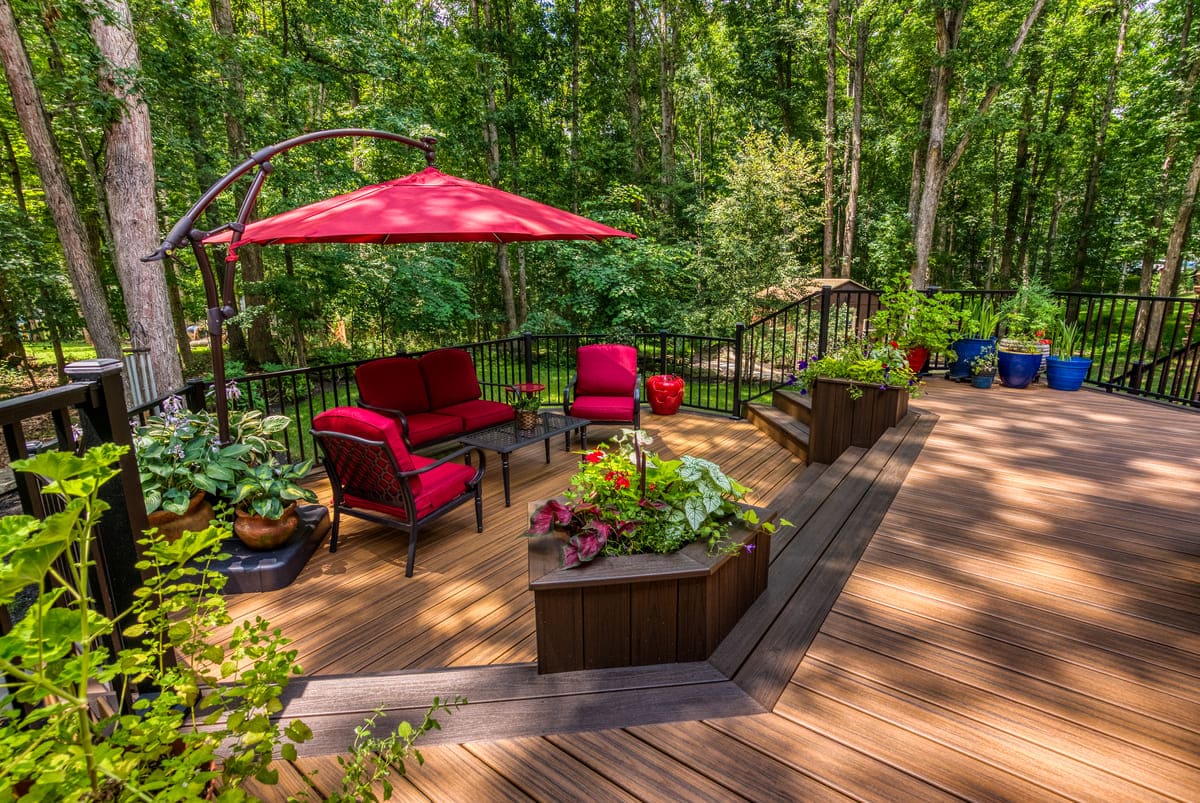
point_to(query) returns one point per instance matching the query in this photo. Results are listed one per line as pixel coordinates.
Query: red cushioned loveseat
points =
(435, 397)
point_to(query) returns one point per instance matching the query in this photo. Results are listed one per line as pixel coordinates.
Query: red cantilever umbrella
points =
(424, 207)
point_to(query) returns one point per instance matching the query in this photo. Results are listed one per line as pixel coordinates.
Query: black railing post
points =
(662, 351)
(193, 394)
(823, 332)
(527, 340)
(738, 347)
(104, 420)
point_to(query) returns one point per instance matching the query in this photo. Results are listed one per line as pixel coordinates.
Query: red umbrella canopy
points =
(424, 207)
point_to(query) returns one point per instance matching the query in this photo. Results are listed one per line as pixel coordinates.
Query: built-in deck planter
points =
(638, 610)
(840, 421)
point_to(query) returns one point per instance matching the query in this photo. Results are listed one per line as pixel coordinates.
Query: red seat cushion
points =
(372, 426)
(605, 369)
(449, 377)
(603, 408)
(429, 427)
(479, 414)
(441, 485)
(393, 382)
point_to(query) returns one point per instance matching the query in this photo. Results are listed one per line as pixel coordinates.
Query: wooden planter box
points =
(839, 422)
(636, 610)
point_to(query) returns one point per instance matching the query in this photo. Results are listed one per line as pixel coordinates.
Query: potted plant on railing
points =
(631, 519)
(919, 323)
(1064, 369)
(979, 322)
(265, 502)
(983, 369)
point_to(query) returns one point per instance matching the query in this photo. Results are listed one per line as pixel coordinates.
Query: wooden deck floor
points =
(1022, 625)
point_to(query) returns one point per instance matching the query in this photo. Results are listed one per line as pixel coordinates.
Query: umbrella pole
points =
(216, 324)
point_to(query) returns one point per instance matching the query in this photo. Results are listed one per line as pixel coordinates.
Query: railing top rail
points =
(1124, 297)
(43, 401)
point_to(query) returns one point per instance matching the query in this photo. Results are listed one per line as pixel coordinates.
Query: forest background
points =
(748, 144)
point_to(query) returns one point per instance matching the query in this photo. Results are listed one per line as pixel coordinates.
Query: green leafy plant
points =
(1068, 340)
(984, 364)
(625, 500)
(1030, 312)
(53, 745)
(914, 319)
(373, 759)
(207, 725)
(178, 453)
(884, 365)
(980, 318)
(527, 401)
(268, 488)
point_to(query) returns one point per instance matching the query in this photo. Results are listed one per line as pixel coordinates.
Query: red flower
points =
(594, 457)
(621, 481)
(893, 344)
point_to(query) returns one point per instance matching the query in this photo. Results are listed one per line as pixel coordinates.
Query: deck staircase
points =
(786, 420)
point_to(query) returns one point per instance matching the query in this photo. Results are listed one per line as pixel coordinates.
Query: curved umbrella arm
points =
(184, 227)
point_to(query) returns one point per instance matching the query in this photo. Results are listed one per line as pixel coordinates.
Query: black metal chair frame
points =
(413, 524)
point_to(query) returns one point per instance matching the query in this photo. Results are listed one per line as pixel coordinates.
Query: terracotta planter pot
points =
(258, 532)
(173, 525)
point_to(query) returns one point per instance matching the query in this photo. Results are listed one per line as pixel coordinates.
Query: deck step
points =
(796, 404)
(779, 427)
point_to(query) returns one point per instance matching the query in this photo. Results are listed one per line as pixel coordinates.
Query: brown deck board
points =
(1022, 625)
(543, 772)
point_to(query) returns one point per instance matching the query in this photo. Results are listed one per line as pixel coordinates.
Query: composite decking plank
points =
(545, 773)
(325, 775)
(479, 721)
(1060, 546)
(291, 782)
(996, 744)
(924, 641)
(852, 772)
(891, 561)
(746, 771)
(1008, 655)
(1002, 710)
(765, 671)
(640, 769)
(452, 774)
(1174, 607)
(955, 771)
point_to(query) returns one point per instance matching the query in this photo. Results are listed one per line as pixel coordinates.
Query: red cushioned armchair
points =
(375, 477)
(606, 387)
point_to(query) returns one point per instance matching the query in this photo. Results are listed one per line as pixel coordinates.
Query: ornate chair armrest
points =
(568, 389)
(450, 458)
(389, 411)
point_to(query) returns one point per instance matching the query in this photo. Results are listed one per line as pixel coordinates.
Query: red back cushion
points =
(393, 382)
(370, 425)
(449, 377)
(605, 369)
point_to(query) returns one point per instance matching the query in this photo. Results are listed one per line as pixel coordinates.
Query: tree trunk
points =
(856, 91)
(178, 318)
(667, 42)
(1175, 245)
(1087, 218)
(1020, 179)
(1154, 229)
(633, 97)
(12, 347)
(491, 140)
(129, 186)
(43, 148)
(574, 148)
(831, 19)
(948, 23)
(255, 346)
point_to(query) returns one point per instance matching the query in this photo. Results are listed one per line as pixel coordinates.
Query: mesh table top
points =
(506, 437)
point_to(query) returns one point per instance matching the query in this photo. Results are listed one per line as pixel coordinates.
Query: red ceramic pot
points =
(666, 393)
(917, 357)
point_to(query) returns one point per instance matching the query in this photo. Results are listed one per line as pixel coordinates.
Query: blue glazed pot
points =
(966, 349)
(1067, 374)
(982, 381)
(1017, 370)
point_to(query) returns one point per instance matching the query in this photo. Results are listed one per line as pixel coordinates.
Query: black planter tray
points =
(271, 569)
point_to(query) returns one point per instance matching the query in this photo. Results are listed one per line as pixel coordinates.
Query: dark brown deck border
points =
(834, 511)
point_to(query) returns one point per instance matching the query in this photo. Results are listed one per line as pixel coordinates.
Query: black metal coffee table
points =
(506, 438)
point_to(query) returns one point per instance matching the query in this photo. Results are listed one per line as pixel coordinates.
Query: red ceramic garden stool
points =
(666, 393)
